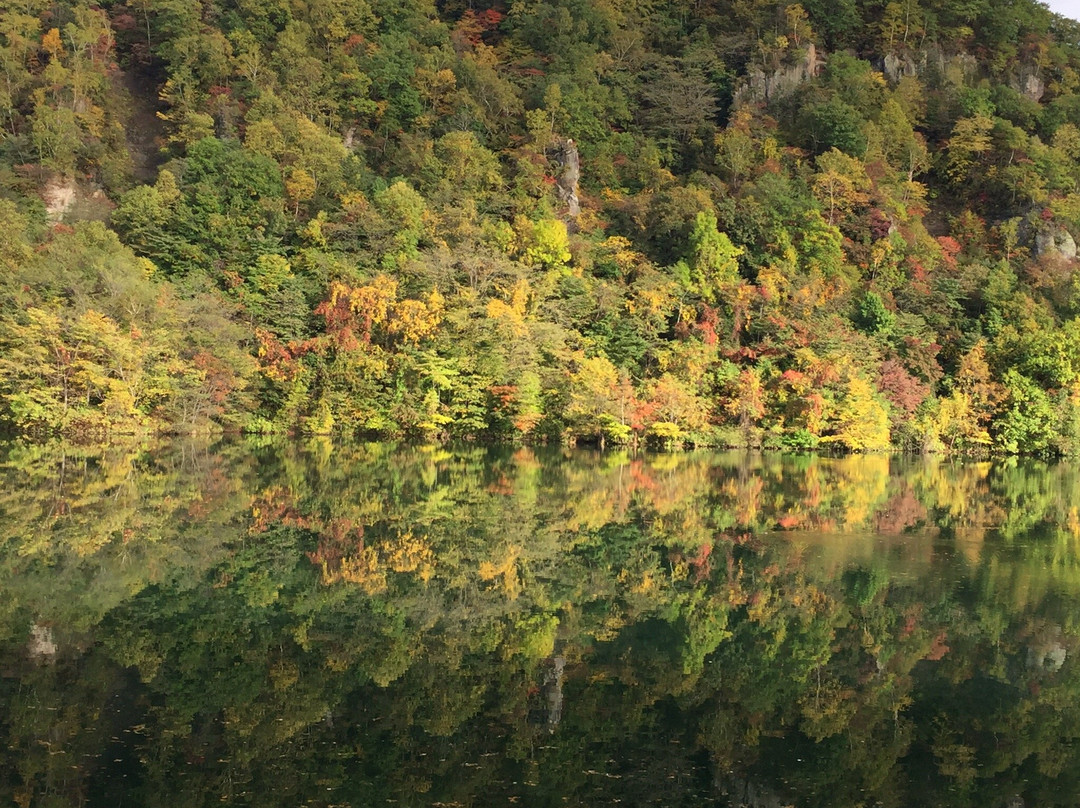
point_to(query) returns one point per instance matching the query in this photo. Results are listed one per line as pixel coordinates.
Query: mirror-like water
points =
(364, 625)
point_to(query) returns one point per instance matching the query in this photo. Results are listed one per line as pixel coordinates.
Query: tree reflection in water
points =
(351, 625)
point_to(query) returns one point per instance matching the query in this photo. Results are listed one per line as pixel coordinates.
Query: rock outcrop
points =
(59, 196)
(1055, 240)
(761, 86)
(1029, 84)
(565, 154)
(42, 645)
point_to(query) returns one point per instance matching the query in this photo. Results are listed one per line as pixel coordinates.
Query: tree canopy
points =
(766, 224)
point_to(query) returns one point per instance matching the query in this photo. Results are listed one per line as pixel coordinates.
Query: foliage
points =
(543, 222)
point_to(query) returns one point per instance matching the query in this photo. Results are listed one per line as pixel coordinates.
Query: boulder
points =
(1055, 240)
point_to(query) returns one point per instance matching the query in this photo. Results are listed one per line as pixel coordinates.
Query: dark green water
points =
(364, 626)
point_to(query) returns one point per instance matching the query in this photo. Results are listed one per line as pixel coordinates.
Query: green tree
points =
(1028, 422)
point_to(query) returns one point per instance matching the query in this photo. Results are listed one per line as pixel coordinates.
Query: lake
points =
(364, 624)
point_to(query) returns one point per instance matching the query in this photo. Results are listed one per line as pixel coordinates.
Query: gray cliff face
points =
(1029, 84)
(565, 155)
(761, 86)
(1025, 78)
(931, 59)
(895, 66)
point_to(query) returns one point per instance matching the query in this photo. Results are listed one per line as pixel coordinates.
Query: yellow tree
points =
(37, 387)
(840, 183)
(798, 25)
(747, 404)
(593, 406)
(962, 419)
(676, 409)
(110, 367)
(862, 422)
(969, 142)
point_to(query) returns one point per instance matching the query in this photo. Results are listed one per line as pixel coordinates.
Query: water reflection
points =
(351, 625)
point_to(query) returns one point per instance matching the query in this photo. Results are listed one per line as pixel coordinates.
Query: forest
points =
(843, 226)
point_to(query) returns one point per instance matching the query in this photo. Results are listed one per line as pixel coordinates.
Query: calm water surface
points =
(367, 625)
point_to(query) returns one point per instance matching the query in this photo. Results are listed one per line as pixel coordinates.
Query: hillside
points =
(842, 225)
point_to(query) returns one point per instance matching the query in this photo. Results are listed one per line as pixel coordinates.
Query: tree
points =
(593, 409)
(873, 317)
(835, 124)
(737, 153)
(403, 211)
(36, 372)
(56, 135)
(747, 402)
(1028, 422)
(797, 22)
(714, 266)
(861, 423)
(546, 244)
(901, 21)
(840, 183)
(680, 101)
(968, 144)
(675, 403)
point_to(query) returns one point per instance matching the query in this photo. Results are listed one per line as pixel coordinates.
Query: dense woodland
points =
(822, 225)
